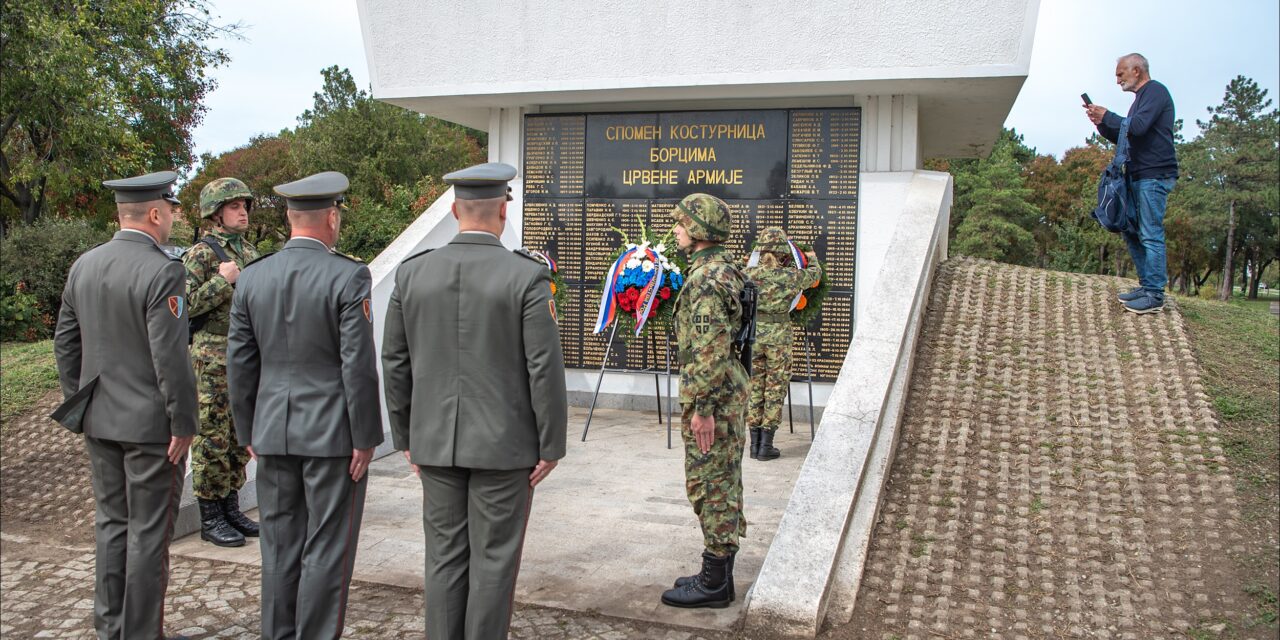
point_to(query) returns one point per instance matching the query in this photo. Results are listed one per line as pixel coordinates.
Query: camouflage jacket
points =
(707, 314)
(776, 288)
(207, 290)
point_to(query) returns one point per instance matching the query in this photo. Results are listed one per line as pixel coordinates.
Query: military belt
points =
(773, 317)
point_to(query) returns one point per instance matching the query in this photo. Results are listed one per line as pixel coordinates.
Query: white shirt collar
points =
(143, 234)
(319, 242)
(482, 233)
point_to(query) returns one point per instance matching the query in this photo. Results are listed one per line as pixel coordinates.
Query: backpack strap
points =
(1122, 145)
(217, 249)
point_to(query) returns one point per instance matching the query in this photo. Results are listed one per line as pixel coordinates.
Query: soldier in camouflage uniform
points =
(217, 460)
(778, 281)
(713, 397)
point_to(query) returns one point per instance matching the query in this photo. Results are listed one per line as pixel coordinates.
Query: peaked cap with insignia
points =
(319, 191)
(481, 182)
(145, 188)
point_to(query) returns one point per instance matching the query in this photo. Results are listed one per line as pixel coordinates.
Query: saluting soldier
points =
(302, 370)
(213, 266)
(121, 348)
(475, 392)
(713, 397)
(778, 281)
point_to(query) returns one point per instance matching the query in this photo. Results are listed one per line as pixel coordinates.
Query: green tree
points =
(96, 90)
(394, 157)
(998, 217)
(1232, 173)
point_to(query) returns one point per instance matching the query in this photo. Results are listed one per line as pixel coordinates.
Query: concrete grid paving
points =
(1059, 472)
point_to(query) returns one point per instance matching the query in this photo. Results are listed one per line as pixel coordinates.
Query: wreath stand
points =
(657, 390)
(808, 372)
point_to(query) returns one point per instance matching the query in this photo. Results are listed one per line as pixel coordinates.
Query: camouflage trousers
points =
(770, 381)
(217, 460)
(713, 482)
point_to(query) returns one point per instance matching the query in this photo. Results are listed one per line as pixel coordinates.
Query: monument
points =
(816, 117)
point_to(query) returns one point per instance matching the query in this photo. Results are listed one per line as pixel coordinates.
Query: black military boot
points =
(766, 450)
(214, 526)
(755, 442)
(711, 589)
(237, 520)
(680, 582)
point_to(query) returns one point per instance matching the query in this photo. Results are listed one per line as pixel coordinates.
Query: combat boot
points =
(214, 526)
(237, 520)
(680, 582)
(755, 442)
(710, 589)
(766, 450)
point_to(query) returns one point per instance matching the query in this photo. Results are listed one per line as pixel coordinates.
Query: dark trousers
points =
(309, 511)
(137, 491)
(474, 520)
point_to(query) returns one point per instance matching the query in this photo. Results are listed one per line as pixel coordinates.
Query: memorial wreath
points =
(808, 304)
(641, 283)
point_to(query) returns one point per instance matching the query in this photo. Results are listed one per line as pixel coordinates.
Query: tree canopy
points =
(95, 90)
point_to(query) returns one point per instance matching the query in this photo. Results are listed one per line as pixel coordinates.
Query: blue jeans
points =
(1145, 237)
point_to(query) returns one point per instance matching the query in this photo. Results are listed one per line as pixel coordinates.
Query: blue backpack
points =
(1112, 211)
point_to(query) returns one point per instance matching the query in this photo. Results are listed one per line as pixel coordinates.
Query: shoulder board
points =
(259, 259)
(418, 255)
(524, 253)
(348, 256)
(171, 252)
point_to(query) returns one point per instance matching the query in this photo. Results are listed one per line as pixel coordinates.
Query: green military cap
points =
(481, 182)
(153, 186)
(319, 191)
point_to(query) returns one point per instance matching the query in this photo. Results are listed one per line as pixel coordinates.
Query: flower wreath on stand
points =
(557, 281)
(641, 283)
(808, 304)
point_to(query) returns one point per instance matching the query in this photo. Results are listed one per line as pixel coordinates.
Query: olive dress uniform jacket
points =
(471, 358)
(301, 362)
(124, 322)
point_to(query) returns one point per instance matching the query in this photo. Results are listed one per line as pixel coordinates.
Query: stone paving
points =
(1059, 472)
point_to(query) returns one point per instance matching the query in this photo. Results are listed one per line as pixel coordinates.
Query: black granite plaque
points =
(589, 178)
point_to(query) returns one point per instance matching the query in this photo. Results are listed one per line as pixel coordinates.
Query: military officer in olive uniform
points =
(475, 392)
(217, 459)
(121, 348)
(713, 397)
(778, 281)
(302, 374)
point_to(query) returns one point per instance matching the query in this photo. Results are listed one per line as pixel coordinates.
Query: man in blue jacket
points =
(1151, 172)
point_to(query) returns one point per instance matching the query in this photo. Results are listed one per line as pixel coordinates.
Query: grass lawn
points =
(27, 373)
(1238, 346)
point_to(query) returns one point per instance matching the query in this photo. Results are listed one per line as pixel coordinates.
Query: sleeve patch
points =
(368, 310)
(176, 306)
(551, 304)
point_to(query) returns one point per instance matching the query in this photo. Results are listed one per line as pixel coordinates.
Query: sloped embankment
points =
(1059, 472)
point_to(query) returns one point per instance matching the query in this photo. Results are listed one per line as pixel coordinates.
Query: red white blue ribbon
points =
(801, 263)
(551, 264)
(608, 310)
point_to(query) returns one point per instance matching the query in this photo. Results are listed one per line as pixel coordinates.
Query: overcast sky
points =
(1195, 48)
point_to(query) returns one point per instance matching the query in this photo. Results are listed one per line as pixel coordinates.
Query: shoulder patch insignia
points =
(170, 252)
(176, 306)
(349, 257)
(259, 259)
(368, 310)
(418, 254)
(551, 304)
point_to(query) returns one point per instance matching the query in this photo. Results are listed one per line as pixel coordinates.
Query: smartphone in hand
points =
(1085, 97)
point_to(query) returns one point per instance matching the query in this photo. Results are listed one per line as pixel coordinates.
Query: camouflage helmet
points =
(706, 217)
(772, 239)
(214, 194)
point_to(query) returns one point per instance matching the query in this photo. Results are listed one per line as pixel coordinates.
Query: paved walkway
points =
(1060, 472)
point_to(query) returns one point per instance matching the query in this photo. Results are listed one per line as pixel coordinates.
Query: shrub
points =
(21, 318)
(37, 257)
